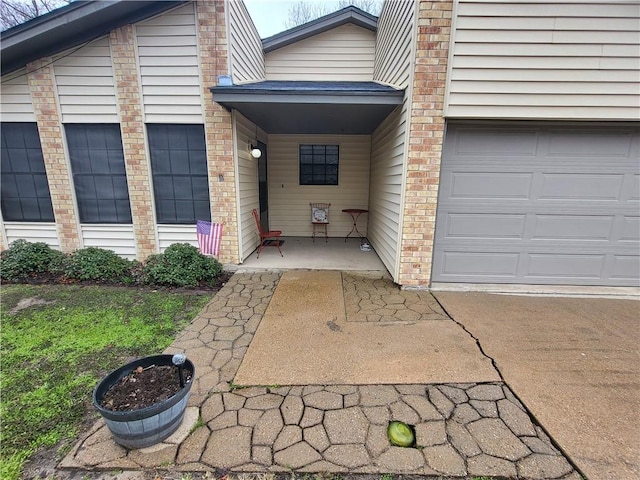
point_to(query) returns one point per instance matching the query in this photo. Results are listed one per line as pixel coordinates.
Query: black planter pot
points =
(146, 426)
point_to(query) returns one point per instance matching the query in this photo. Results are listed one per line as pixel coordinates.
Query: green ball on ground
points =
(400, 434)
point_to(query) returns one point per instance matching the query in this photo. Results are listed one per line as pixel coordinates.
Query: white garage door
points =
(539, 205)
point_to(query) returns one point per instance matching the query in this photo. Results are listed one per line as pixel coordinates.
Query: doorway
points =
(263, 187)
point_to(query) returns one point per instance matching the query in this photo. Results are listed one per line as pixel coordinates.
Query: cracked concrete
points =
(474, 427)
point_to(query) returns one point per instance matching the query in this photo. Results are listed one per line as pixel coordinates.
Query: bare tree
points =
(374, 7)
(15, 12)
(304, 11)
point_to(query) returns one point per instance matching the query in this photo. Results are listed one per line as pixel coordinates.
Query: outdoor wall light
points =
(255, 152)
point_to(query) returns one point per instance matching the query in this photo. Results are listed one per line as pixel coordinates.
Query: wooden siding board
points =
(345, 53)
(89, 66)
(245, 133)
(247, 57)
(32, 232)
(169, 67)
(15, 98)
(545, 59)
(549, 9)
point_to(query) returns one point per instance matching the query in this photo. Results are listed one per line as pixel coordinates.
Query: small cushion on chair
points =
(318, 215)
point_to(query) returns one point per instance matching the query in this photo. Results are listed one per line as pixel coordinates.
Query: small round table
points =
(355, 213)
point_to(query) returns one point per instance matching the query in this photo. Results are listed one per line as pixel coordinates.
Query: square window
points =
(318, 164)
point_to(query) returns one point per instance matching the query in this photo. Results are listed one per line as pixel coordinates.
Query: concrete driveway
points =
(574, 362)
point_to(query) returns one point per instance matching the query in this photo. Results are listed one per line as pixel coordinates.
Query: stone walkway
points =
(477, 429)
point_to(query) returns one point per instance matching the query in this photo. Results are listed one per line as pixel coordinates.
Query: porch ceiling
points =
(345, 108)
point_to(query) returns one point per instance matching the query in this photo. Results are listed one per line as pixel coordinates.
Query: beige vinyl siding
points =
(169, 69)
(119, 238)
(84, 79)
(169, 234)
(32, 232)
(545, 60)
(385, 204)
(345, 53)
(247, 58)
(394, 43)
(15, 98)
(388, 143)
(247, 171)
(289, 209)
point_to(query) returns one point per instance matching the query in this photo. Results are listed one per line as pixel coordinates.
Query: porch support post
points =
(426, 134)
(213, 50)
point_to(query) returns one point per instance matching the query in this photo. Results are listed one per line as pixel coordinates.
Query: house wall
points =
(394, 55)
(245, 46)
(545, 60)
(85, 85)
(156, 71)
(169, 68)
(32, 232)
(344, 53)
(15, 97)
(247, 166)
(289, 208)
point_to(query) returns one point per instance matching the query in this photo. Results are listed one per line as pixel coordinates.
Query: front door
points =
(263, 191)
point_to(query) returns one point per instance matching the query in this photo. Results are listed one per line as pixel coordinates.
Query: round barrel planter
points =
(146, 426)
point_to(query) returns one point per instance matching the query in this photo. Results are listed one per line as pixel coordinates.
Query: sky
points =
(269, 15)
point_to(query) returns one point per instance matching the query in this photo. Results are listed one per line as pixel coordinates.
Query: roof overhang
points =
(342, 108)
(70, 26)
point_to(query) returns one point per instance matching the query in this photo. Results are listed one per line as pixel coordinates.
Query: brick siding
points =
(426, 136)
(125, 73)
(43, 93)
(218, 125)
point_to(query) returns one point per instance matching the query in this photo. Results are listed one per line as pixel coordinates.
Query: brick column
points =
(213, 50)
(426, 136)
(43, 94)
(125, 73)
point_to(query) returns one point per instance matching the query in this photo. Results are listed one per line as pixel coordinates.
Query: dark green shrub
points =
(98, 264)
(181, 265)
(25, 259)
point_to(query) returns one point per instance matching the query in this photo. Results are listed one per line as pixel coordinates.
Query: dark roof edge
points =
(346, 15)
(74, 24)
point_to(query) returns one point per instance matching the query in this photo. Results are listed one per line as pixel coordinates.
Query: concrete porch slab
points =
(309, 335)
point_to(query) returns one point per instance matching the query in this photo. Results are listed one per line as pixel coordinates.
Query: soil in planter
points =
(144, 387)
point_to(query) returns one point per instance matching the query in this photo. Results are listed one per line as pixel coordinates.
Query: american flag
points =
(209, 236)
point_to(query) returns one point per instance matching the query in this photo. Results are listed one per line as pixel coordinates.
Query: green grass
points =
(53, 355)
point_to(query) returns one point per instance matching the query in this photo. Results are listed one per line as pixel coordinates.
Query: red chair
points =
(267, 239)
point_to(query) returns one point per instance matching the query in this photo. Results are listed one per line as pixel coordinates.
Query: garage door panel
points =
(632, 192)
(562, 211)
(483, 225)
(581, 187)
(625, 267)
(564, 266)
(496, 185)
(480, 264)
(506, 143)
(573, 227)
(630, 229)
(584, 144)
